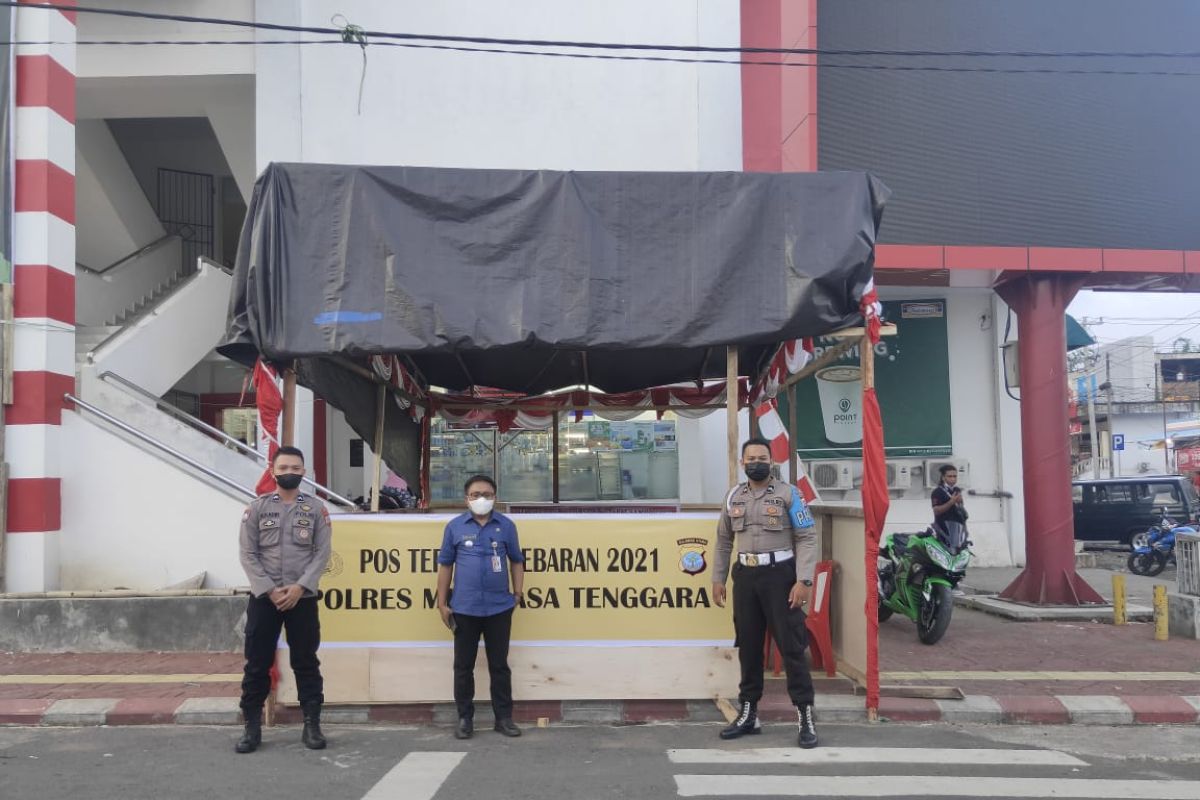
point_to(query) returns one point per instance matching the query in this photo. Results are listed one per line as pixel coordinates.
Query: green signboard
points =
(912, 381)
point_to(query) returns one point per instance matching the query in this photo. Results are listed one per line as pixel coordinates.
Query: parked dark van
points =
(1116, 509)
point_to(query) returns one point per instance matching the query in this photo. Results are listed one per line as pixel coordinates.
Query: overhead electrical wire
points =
(470, 44)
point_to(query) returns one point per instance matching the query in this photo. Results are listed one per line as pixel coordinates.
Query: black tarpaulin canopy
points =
(507, 278)
(531, 281)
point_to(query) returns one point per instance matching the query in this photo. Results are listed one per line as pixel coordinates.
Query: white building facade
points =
(161, 145)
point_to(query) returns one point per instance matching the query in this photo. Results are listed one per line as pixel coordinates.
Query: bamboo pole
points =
(380, 409)
(288, 434)
(793, 461)
(866, 357)
(554, 492)
(731, 407)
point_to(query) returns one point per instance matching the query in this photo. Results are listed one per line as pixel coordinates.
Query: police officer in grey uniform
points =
(772, 580)
(285, 545)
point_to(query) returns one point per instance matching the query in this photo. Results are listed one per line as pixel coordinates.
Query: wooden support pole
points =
(731, 409)
(866, 357)
(554, 491)
(288, 435)
(380, 409)
(793, 461)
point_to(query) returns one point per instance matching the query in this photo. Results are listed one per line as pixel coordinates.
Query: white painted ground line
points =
(928, 785)
(418, 776)
(877, 755)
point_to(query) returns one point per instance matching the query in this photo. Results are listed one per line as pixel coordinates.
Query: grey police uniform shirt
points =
(285, 543)
(765, 521)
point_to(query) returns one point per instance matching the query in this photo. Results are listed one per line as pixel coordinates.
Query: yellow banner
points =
(612, 578)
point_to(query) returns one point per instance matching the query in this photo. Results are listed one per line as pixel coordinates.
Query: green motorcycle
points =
(918, 573)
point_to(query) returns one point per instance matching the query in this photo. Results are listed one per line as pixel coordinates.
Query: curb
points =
(974, 709)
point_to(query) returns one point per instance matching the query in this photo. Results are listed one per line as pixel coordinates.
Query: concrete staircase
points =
(148, 301)
(88, 339)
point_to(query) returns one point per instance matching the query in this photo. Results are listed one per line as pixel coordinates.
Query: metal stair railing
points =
(166, 448)
(130, 257)
(217, 433)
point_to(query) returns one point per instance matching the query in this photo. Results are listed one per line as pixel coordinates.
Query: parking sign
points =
(1118, 441)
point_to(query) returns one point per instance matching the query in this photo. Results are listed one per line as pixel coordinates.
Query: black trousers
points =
(495, 631)
(760, 601)
(263, 623)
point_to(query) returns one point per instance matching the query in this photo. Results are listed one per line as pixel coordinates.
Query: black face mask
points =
(288, 482)
(758, 471)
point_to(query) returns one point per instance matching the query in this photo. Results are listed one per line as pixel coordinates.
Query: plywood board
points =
(425, 674)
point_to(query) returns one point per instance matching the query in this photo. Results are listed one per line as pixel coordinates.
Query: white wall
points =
(437, 108)
(703, 455)
(973, 411)
(1141, 431)
(103, 60)
(115, 218)
(345, 480)
(131, 520)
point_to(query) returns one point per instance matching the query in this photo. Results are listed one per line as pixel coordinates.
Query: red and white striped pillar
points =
(43, 234)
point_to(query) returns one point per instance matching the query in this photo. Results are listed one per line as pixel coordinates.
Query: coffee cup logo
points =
(840, 391)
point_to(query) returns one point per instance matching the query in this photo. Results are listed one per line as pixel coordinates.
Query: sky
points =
(1164, 315)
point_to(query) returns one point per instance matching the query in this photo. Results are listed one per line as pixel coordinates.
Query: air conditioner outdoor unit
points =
(899, 475)
(933, 476)
(832, 474)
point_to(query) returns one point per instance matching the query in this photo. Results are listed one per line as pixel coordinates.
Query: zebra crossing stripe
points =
(418, 776)
(878, 755)
(931, 786)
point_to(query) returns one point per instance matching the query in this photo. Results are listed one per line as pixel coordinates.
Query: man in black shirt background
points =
(947, 498)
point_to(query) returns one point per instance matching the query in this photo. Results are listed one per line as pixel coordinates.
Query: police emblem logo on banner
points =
(335, 566)
(691, 555)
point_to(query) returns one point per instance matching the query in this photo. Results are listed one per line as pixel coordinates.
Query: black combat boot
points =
(252, 736)
(808, 727)
(312, 737)
(746, 722)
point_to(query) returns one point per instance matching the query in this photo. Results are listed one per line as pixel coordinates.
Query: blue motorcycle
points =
(1153, 550)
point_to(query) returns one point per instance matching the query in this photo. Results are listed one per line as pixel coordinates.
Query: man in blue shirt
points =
(479, 552)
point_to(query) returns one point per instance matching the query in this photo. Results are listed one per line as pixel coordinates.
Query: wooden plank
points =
(826, 358)
(288, 434)
(424, 675)
(6, 345)
(731, 406)
(886, 329)
(347, 675)
(793, 458)
(867, 359)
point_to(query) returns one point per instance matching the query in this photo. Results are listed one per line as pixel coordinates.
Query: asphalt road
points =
(638, 763)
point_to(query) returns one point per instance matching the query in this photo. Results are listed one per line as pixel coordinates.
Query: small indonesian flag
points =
(772, 429)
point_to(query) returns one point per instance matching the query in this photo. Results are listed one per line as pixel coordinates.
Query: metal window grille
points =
(185, 208)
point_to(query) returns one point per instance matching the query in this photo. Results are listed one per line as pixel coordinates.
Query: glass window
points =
(1114, 493)
(598, 460)
(1162, 494)
(456, 455)
(526, 468)
(1076, 493)
(636, 459)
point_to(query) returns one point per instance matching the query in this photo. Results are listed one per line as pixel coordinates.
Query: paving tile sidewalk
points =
(1009, 672)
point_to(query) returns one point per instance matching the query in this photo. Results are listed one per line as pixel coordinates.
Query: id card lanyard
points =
(495, 557)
